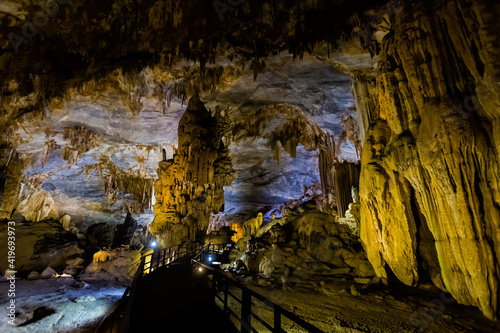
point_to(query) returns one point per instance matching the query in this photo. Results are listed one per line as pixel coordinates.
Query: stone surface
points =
(38, 246)
(190, 186)
(118, 264)
(429, 179)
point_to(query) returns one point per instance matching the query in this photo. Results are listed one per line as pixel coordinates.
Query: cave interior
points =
(344, 154)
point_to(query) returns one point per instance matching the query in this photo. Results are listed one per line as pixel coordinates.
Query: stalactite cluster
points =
(191, 185)
(118, 182)
(81, 140)
(134, 35)
(346, 176)
(327, 161)
(50, 145)
(292, 129)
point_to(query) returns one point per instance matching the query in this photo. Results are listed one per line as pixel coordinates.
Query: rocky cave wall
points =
(429, 183)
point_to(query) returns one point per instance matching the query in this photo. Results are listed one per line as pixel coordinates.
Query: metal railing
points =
(222, 288)
(211, 249)
(118, 320)
(165, 257)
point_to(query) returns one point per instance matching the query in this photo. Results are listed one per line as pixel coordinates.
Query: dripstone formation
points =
(190, 186)
(429, 182)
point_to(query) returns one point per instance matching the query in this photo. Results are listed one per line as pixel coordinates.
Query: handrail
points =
(165, 257)
(210, 249)
(130, 293)
(220, 282)
(124, 324)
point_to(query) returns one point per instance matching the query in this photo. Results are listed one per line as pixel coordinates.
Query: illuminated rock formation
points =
(190, 187)
(11, 167)
(118, 182)
(430, 165)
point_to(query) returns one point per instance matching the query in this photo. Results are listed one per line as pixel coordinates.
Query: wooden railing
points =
(222, 288)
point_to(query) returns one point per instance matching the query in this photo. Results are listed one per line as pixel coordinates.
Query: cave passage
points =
(345, 154)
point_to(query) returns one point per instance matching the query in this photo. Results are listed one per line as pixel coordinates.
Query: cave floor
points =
(59, 304)
(329, 305)
(56, 305)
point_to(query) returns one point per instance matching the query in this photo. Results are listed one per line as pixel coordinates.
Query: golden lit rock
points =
(190, 187)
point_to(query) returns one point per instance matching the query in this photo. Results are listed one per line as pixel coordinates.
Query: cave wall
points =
(429, 183)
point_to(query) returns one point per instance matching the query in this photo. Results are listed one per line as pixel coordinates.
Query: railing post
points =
(226, 291)
(164, 252)
(214, 290)
(151, 263)
(246, 310)
(277, 320)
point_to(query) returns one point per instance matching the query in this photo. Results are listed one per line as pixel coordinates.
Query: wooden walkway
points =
(167, 302)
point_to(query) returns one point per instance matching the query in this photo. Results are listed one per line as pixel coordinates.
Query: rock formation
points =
(429, 178)
(305, 241)
(190, 186)
(402, 95)
(11, 167)
(125, 232)
(38, 246)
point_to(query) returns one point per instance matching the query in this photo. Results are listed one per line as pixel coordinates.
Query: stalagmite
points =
(190, 185)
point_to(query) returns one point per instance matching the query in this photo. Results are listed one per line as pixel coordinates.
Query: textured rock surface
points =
(303, 243)
(429, 179)
(39, 245)
(190, 186)
(111, 154)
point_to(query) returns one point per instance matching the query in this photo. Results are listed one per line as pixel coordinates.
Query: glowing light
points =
(200, 269)
(154, 244)
(210, 259)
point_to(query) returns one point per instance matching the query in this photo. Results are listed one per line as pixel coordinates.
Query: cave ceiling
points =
(93, 95)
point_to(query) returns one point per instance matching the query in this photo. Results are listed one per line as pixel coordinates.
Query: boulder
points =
(99, 235)
(39, 245)
(48, 272)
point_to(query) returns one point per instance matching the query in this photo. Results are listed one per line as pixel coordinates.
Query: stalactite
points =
(11, 177)
(346, 176)
(118, 180)
(81, 140)
(430, 165)
(350, 132)
(327, 160)
(50, 145)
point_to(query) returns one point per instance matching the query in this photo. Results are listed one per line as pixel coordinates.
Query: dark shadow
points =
(38, 314)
